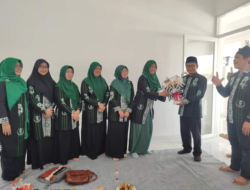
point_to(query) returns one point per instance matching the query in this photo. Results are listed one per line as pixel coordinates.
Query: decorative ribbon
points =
(177, 96)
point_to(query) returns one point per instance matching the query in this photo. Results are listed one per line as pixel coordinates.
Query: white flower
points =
(111, 95)
(37, 98)
(63, 102)
(31, 90)
(195, 82)
(20, 109)
(86, 96)
(41, 106)
(90, 90)
(243, 83)
(198, 93)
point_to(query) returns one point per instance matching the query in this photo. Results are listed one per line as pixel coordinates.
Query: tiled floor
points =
(217, 146)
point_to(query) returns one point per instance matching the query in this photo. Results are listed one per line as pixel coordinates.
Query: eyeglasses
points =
(125, 71)
(43, 67)
(190, 66)
(18, 67)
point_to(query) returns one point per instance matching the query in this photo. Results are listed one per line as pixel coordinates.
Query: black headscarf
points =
(245, 52)
(192, 59)
(42, 83)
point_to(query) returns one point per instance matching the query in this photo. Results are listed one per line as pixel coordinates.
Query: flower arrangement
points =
(174, 86)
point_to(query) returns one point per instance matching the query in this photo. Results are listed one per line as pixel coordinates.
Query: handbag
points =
(79, 177)
(54, 175)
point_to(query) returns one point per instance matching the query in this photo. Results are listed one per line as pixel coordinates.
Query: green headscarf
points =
(98, 84)
(68, 87)
(122, 85)
(15, 85)
(0, 68)
(152, 79)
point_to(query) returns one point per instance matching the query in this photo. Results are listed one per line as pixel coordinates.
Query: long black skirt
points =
(12, 167)
(117, 139)
(93, 139)
(67, 145)
(41, 152)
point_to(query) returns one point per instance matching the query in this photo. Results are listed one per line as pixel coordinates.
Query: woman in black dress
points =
(95, 94)
(120, 108)
(42, 142)
(14, 118)
(67, 98)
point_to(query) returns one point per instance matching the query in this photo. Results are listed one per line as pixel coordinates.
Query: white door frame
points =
(215, 120)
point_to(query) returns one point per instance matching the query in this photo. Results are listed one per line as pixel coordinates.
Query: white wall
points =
(111, 32)
(225, 6)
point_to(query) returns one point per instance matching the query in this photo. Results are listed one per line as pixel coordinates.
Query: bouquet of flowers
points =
(174, 86)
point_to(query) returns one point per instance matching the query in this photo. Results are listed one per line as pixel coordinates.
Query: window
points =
(234, 20)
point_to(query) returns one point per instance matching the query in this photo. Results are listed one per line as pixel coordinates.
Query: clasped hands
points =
(123, 114)
(101, 107)
(48, 113)
(75, 115)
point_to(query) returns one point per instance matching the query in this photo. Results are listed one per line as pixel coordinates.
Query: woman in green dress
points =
(148, 91)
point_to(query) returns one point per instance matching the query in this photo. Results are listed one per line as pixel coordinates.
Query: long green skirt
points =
(140, 136)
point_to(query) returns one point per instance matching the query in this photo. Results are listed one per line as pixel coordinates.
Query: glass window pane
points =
(234, 20)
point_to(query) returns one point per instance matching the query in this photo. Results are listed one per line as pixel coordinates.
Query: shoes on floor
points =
(183, 152)
(135, 155)
(197, 158)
